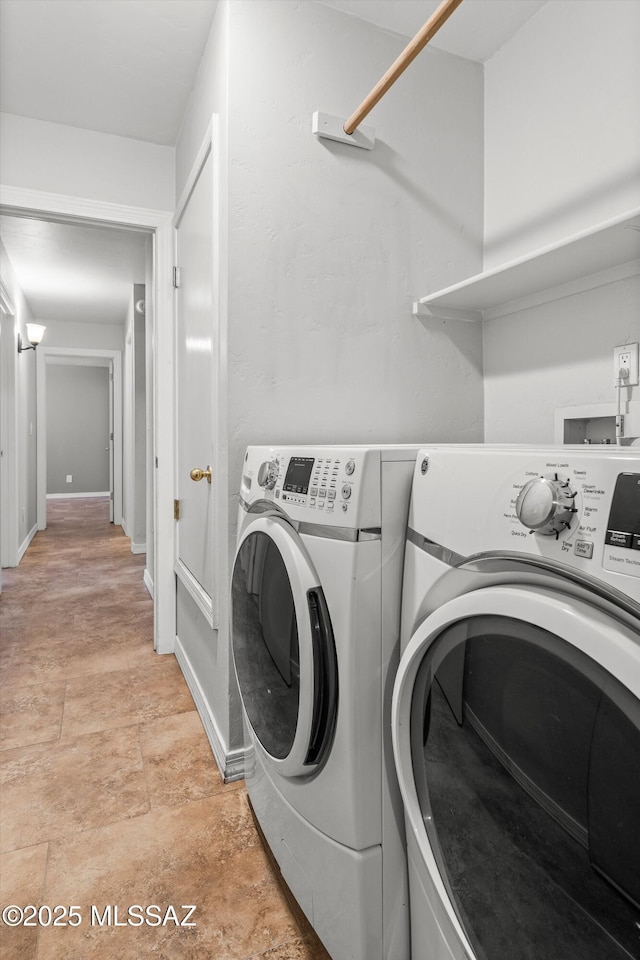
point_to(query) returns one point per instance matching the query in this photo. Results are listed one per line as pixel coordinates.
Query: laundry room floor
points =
(110, 798)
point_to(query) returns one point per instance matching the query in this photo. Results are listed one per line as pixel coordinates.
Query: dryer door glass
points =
(286, 669)
(526, 756)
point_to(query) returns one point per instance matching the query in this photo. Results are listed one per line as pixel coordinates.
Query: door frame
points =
(216, 612)
(35, 203)
(111, 359)
(208, 605)
(9, 545)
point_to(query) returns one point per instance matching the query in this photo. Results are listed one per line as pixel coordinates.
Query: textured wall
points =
(562, 155)
(562, 126)
(323, 249)
(555, 355)
(328, 244)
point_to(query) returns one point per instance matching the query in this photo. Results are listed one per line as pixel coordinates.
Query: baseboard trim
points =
(77, 496)
(138, 547)
(230, 762)
(148, 582)
(27, 540)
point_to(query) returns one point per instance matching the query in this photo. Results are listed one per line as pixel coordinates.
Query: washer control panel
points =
(318, 483)
(577, 506)
(335, 486)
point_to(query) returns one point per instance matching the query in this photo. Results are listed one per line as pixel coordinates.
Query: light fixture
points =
(35, 333)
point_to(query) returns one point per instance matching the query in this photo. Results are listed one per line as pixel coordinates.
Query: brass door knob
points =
(197, 474)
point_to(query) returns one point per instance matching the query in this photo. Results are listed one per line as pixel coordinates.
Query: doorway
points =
(159, 313)
(50, 360)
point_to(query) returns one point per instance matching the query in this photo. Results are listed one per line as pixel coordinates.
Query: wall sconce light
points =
(35, 333)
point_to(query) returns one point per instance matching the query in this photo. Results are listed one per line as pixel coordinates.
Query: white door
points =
(194, 391)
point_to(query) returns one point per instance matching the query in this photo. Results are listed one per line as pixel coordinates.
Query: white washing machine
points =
(516, 704)
(315, 636)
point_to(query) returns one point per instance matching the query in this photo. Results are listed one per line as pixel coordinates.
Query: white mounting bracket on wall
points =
(331, 128)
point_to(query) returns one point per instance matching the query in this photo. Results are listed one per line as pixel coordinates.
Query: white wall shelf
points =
(604, 254)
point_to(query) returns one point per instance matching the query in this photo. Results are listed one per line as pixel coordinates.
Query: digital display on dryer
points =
(623, 529)
(298, 474)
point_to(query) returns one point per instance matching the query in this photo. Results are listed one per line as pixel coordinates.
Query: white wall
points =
(54, 158)
(134, 424)
(93, 336)
(553, 356)
(209, 95)
(328, 245)
(562, 154)
(139, 532)
(19, 403)
(562, 125)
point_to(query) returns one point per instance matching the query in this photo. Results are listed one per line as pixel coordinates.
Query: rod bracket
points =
(331, 128)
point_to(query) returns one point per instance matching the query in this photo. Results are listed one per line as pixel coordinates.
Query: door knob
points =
(197, 474)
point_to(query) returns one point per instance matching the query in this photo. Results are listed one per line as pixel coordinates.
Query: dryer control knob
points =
(268, 474)
(546, 506)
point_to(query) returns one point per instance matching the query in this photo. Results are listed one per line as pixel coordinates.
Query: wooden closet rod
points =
(408, 55)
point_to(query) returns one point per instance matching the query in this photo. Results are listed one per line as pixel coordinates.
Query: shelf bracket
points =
(425, 311)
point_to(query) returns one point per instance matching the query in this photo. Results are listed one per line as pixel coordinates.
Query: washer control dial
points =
(546, 506)
(349, 467)
(346, 491)
(268, 474)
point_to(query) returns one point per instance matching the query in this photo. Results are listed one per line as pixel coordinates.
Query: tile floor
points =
(109, 792)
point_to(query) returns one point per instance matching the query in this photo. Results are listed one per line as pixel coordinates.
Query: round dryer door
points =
(283, 647)
(516, 729)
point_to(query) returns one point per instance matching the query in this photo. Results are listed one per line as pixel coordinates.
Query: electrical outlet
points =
(69, 478)
(626, 357)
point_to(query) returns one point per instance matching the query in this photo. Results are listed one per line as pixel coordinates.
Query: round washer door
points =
(516, 735)
(283, 647)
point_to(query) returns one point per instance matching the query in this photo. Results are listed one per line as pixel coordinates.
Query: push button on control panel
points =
(346, 491)
(584, 548)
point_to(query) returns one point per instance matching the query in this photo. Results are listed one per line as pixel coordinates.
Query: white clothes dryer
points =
(516, 704)
(315, 636)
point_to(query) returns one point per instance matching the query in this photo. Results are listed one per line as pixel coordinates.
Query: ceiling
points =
(74, 272)
(475, 30)
(127, 67)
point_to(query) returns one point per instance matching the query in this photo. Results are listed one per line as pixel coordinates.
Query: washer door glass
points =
(283, 647)
(525, 757)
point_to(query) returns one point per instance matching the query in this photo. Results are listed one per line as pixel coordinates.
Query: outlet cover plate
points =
(628, 351)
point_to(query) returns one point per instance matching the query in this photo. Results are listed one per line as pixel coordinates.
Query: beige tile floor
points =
(109, 794)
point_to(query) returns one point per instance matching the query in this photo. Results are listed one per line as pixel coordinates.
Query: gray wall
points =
(77, 428)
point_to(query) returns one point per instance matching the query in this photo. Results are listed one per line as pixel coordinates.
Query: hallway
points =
(110, 795)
